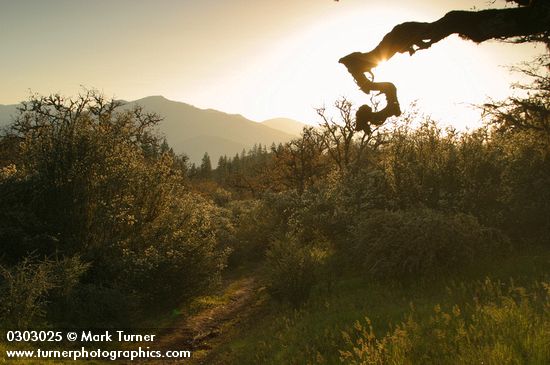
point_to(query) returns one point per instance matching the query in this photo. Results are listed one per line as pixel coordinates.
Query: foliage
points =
(532, 111)
(300, 162)
(96, 211)
(26, 287)
(420, 243)
(91, 178)
(247, 175)
(525, 191)
(180, 243)
(312, 333)
(412, 202)
(258, 222)
(292, 268)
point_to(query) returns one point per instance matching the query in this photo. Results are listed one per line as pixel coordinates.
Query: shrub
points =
(27, 288)
(292, 269)
(93, 305)
(178, 249)
(526, 185)
(92, 179)
(419, 242)
(252, 231)
(421, 166)
(258, 222)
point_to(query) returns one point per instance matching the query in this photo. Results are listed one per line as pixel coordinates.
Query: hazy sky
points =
(259, 58)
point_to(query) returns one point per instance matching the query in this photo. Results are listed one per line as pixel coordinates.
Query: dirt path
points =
(202, 332)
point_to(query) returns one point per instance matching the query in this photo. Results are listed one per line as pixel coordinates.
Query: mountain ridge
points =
(184, 125)
(194, 131)
(287, 125)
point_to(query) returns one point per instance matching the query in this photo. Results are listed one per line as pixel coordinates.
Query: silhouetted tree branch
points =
(528, 22)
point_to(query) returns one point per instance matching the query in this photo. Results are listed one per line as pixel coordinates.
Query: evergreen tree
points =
(206, 166)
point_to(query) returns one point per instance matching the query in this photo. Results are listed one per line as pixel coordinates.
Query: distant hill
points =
(6, 113)
(194, 131)
(286, 125)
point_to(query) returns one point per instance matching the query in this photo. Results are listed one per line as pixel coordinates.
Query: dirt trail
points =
(205, 330)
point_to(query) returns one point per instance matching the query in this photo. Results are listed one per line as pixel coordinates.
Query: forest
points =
(401, 243)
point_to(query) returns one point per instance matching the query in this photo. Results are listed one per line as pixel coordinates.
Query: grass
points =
(503, 324)
(278, 333)
(312, 334)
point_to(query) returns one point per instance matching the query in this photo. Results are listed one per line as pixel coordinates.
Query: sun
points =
(297, 70)
(448, 80)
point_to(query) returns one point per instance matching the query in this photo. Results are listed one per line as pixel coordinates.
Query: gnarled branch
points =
(410, 37)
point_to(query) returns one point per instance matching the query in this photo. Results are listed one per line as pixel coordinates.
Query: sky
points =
(262, 59)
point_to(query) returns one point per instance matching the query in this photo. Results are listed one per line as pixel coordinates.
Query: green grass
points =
(504, 324)
(313, 333)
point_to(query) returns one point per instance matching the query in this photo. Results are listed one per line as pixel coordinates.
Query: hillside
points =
(286, 125)
(215, 146)
(194, 131)
(6, 111)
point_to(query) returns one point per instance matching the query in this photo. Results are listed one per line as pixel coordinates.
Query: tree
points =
(530, 113)
(339, 139)
(300, 162)
(530, 21)
(206, 166)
